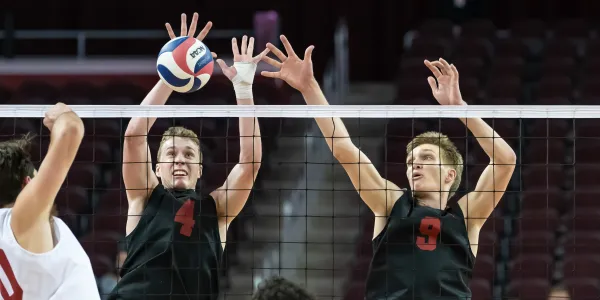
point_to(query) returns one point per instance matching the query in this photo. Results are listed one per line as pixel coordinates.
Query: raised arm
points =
(377, 192)
(478, 204)
(30, 221)
(233, 194)
(138, 176)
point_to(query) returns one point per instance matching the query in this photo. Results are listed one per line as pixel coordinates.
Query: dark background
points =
(376, 27)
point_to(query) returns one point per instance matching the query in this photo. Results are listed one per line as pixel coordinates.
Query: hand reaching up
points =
(296, 72)
(192, 31)
(242, 55)
(447, 90)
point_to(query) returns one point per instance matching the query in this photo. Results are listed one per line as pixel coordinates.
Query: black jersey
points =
(422, 254)
(175, 250)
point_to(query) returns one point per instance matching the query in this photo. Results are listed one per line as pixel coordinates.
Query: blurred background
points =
(304, 220)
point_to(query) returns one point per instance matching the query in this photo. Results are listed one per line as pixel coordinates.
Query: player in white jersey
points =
(40, 258)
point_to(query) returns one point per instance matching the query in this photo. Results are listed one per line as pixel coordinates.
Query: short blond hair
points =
(183, 132)
(448, 152)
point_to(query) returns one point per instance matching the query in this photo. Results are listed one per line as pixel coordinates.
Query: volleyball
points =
(185, 64)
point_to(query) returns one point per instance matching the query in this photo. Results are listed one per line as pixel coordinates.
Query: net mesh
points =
(305, 221)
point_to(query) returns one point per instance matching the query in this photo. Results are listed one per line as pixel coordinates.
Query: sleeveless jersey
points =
(175, 250)
(65, 272)
(422, 253)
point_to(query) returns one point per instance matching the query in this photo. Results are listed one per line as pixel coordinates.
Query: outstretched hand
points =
(447, 90)
(296, 72)
(242, 55)
(192, 30)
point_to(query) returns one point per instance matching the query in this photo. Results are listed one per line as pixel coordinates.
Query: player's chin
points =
(180, 184)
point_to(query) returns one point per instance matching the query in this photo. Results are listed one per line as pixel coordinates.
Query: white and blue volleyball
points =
(185, 64)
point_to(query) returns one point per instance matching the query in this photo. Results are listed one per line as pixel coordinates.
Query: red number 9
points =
(430, 227)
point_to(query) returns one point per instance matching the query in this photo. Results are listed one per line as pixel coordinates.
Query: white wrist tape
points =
(242, 82)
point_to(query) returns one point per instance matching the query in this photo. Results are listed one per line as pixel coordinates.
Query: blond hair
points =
(182, 132)
(449, 154)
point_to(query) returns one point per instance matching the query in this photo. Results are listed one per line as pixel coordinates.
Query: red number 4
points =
(430, 227)
(17, 293)
(185, 216)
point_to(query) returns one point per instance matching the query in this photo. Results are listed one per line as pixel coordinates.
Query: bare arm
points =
(138, 176)
(479, 204)
(233, 194)
(377, 192)
(30, 221)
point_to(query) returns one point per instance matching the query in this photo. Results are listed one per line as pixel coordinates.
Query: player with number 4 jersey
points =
(40, 258)
(175, 235)
(424, 245)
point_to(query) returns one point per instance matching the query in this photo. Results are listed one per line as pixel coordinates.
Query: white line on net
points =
(312, 111)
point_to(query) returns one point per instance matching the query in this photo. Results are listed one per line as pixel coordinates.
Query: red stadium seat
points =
(582, 220)
(413, 67)
(473, 47)
(530, 29)
(528, 289)
(505, 67)
(583, 288)
(428, 48)
(581, 266)
(587, 127)
(581, 243)
(554, 90)
(544, 151)
(113, 220)
(558, 65)
(584, 199)
(84, 175)
(481, 289)
(78, 92)
(468, 66)
(545, 220)
(101, 264)
(73, 198)
(544, 128)
(586, 178)
(551, 199)
(510, 47)
(537, 177)
(485, 267)
(532, 241)
(586, 151)
(534, 265)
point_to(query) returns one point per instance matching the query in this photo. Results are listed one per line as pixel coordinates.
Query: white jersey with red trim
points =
(64, 272)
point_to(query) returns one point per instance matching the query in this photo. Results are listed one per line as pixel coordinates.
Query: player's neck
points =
(431, 199)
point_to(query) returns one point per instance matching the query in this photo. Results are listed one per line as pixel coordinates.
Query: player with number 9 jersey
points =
(424, 242)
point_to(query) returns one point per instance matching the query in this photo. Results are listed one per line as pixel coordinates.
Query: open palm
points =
(296, 72)
(447, 90)
(241, 55)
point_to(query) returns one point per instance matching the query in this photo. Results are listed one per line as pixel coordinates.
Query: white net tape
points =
(315, 111)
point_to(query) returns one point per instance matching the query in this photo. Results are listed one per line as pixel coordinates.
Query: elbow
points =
(251, 161)
(508, 157)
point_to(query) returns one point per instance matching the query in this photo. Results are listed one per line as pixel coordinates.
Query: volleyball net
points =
(305, 221)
